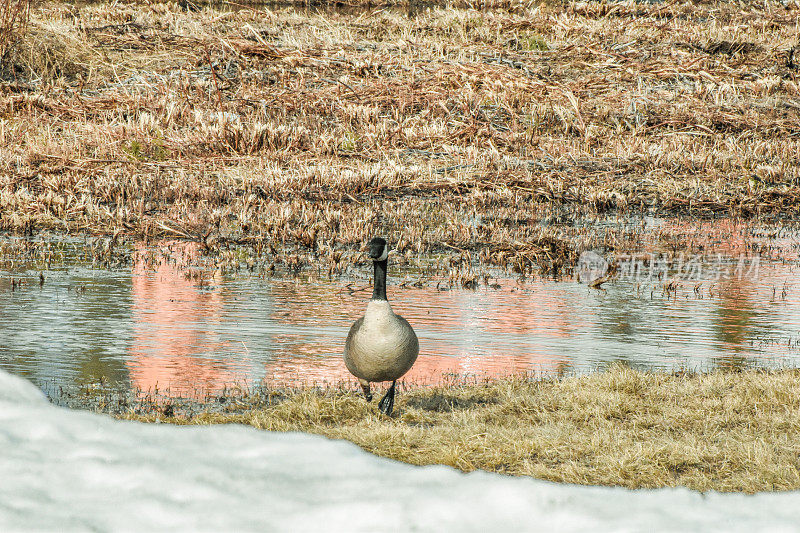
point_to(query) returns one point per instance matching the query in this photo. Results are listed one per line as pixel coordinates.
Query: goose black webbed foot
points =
(387, 402)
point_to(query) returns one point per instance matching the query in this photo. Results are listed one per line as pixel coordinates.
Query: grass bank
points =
(725, 431)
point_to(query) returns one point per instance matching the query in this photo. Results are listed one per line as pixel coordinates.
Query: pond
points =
(733, 303)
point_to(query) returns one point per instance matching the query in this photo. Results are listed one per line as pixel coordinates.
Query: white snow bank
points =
(14, 390)
(68, 470)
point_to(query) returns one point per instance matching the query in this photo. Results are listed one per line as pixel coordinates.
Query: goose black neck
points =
(379, 290)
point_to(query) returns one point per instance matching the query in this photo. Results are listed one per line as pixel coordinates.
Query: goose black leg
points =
(365, 388)
(387, 402)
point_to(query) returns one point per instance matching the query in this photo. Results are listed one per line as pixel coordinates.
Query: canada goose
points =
(381, 345)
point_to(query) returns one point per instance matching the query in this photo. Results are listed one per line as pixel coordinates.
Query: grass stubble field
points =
(297, 132)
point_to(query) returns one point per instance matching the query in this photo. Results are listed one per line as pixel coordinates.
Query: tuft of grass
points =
(349, 142)
(14, 16)
(533, 42)
(724, 431)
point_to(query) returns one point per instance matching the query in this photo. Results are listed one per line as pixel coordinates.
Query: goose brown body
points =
(381, 346)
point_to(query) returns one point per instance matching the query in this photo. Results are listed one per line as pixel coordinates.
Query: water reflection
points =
(156, 325)
(176, 326)
(291, 332)
(78, 323)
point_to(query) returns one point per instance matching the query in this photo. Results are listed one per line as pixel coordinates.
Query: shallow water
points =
(149, 327)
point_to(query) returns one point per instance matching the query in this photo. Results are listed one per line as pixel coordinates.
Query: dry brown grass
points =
(454, 130)
(14, 16)
(716, 431)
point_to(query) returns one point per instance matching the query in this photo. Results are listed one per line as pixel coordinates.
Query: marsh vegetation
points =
(450, 129)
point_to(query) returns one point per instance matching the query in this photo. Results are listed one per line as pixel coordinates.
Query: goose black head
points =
(378, 249)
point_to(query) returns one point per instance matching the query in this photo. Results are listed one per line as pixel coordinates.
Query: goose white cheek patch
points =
(384, 255)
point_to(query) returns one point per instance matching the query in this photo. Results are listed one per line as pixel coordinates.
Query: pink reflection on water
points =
(428, 370)
(737, 299)
(730, 237)
(295, 335)
(169, 311)
(452, 315)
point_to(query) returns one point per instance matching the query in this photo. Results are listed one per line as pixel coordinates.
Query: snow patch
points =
(75, 471)
(19, 391)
